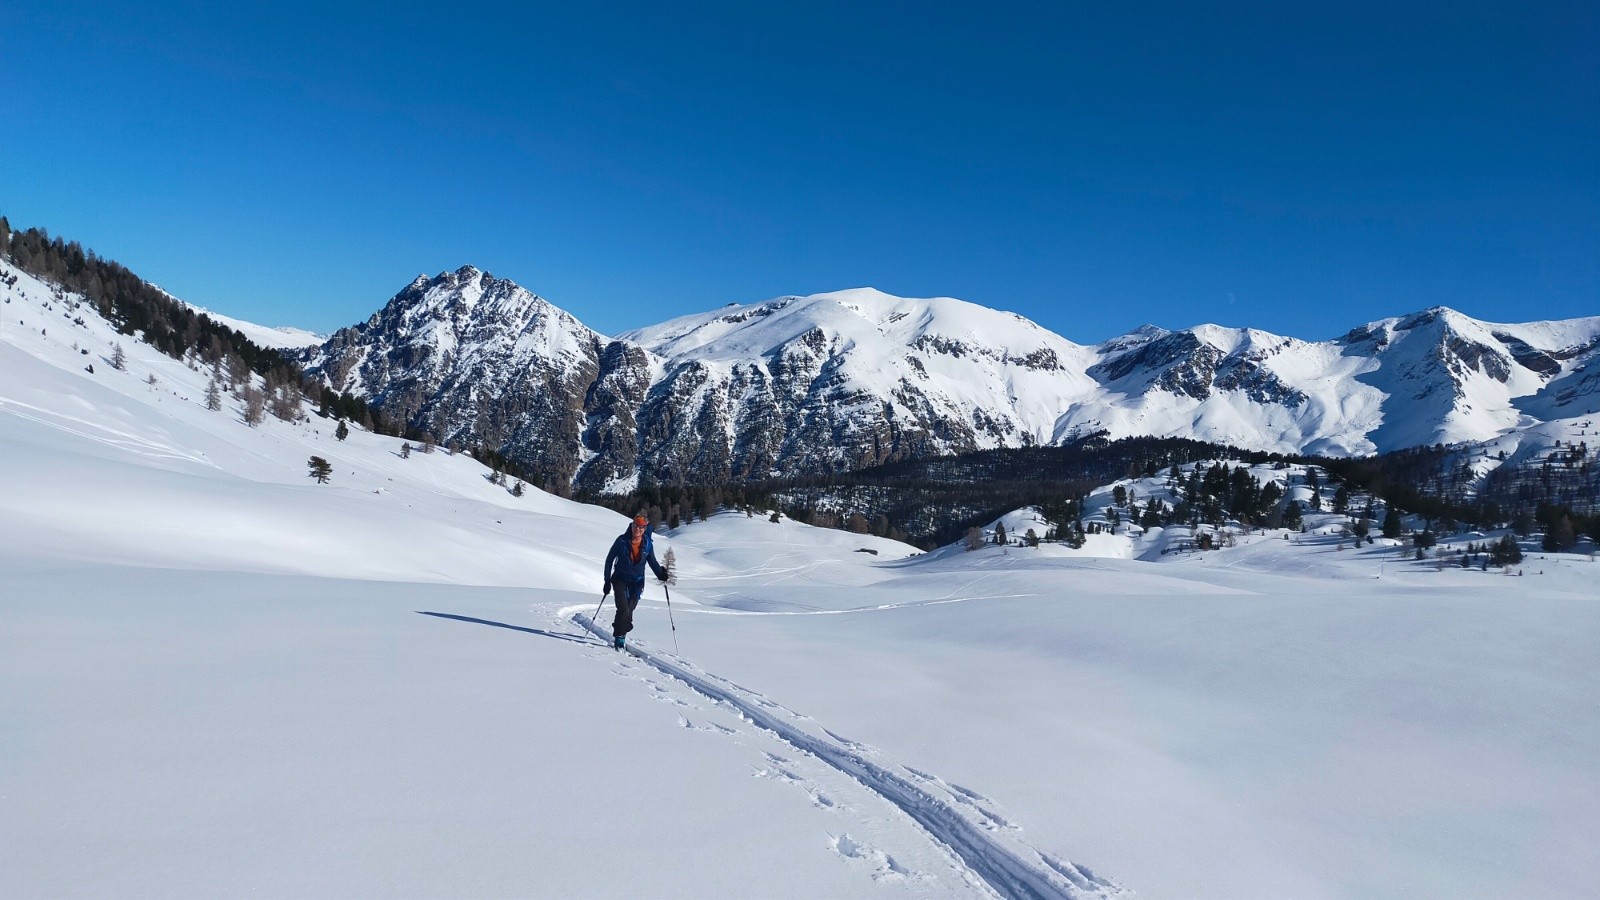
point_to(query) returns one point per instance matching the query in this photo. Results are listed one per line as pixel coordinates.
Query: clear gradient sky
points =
(1292, 166)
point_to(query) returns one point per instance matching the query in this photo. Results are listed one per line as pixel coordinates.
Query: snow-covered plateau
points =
(219, 677)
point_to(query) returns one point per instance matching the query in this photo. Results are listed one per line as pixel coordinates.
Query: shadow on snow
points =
(539, 631)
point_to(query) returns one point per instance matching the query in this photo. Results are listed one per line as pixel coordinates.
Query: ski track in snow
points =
(110, 437)
(956, 820)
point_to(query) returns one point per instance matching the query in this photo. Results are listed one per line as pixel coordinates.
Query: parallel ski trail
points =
(1006, 870)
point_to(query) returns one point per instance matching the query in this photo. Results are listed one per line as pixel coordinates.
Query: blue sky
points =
(1290, 166)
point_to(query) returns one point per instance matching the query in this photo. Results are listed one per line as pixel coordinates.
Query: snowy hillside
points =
(854, 378)
(218, 677)
(858, 377)
(281, 338)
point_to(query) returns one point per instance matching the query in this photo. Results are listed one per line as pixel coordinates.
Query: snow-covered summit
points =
(879, 324)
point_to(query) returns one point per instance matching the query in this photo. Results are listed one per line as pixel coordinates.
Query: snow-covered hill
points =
(218, 676)
(852, 378)
(280, 338)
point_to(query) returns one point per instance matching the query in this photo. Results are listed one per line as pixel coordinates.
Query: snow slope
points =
(280, 338)
(218, 677)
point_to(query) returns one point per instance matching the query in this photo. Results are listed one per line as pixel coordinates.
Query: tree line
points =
(139, 309)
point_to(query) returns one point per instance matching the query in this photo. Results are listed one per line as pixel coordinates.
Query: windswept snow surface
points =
(220, 678)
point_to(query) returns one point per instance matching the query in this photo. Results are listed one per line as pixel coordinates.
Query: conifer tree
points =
(1341, 499)
(320, 469)
(238, 372)
(1506, 552)
(286, 401)
(119, 359)
(213, 395)
(343, 431)
(670, 563)
(1152, 514)
(1293, 517)
(1560, 536)
(1391, 522)
(405, 450)
(255, 405)
(1000, 533)
(1073, 535)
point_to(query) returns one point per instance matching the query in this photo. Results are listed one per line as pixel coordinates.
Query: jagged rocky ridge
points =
(838, 381)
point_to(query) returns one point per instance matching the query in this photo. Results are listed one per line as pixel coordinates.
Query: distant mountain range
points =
(842, 380)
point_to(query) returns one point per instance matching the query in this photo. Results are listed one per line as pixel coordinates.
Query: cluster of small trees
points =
(677, 505)
(1504, 552)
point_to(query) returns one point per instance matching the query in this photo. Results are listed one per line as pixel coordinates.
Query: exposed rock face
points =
(804, 385)
(471, 359)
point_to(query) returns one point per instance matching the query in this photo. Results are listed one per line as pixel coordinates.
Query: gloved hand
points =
(605, 589)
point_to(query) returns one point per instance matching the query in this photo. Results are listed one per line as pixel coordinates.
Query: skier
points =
(625, 573)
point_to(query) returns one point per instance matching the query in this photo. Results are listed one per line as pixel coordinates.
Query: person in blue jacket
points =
(625, 573)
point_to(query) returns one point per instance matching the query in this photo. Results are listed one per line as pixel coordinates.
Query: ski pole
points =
(595, 619)
(669, 619)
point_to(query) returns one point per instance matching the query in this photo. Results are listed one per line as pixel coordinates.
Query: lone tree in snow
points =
(213, 395)
(974, 538)
(517, 490)
(670, 563)
(255, 405)
(405, 451)
(1391, 523)
(343, 431)
(320, 469)
(119, 360)
(1000, 533)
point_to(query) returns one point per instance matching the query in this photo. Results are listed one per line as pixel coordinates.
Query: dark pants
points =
(627, 592)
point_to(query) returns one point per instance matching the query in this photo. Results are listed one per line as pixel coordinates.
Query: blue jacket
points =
(621, 564)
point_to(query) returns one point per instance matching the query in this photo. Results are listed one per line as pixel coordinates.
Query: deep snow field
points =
(219, 678)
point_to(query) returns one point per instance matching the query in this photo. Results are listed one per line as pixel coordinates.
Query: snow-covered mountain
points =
(472, 358)
(1435, 376)
(851, 378)
(218, 672)
(847, 379)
